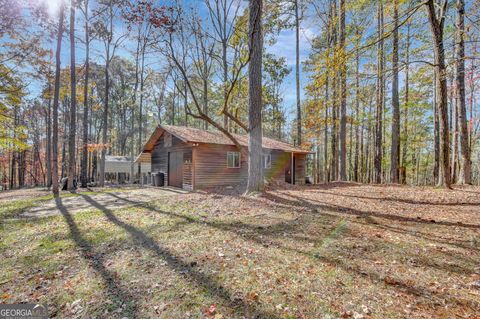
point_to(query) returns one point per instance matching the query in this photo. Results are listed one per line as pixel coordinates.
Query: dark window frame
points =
(233, 154)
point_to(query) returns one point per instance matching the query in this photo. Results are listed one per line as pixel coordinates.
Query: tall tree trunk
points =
(436, 134)
(362, 165)
(13, 166)
(185, 101)
(368, 150)
(334, 133)
(379, 101)
(56, 94)
(325, 135)
(255, 153)
(48, 120)
(105, 120)
(406, 107)
(454, 165)
(395, 151)
(72, 152)
(437, 26)
(66, 123)
(134, 103)
(343, 96)
(84, 161)
(205, 96)
(108, 59)
(326, 170)
(297, 73)
(225, 79)
(140, 109)
(21, 168)
(466, 171)
(357, 105)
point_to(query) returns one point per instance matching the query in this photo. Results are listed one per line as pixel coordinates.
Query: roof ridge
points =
(222, 134)
(198, 135)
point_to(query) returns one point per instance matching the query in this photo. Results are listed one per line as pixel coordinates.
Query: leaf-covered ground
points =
(336, 251)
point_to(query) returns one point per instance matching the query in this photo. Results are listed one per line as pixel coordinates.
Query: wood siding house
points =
(191, 158)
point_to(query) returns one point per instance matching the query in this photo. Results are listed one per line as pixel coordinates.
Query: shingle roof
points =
(194, 135)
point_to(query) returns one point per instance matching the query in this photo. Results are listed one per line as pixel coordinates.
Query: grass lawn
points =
(337, 251)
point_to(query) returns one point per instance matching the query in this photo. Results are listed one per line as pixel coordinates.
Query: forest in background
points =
(389, 92)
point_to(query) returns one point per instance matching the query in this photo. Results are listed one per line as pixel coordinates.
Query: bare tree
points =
(182, 67)
(203, 59)
(222, 13)
(105, 28)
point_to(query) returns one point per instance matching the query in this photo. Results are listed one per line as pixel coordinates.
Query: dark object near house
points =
(64, 183)
(158, 179)
(191, 158)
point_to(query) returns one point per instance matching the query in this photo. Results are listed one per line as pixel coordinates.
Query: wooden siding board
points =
(211, 166)
(300, 168)
(280, 162)
(160, 154)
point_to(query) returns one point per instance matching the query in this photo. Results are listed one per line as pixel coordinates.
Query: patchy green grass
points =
(302, 253)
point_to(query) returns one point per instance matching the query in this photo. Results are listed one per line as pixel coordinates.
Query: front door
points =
(175, 169)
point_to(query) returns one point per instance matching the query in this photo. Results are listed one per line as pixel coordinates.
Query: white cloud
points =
(285, 45)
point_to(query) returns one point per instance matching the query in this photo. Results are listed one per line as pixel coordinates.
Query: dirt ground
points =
(342, 250)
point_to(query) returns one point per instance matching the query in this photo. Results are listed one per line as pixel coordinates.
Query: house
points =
(192, 158)
(118, 169)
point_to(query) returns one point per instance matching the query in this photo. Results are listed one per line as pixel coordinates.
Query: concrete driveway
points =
(110, 199)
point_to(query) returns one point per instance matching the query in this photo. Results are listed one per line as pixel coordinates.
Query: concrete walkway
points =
(109, 200)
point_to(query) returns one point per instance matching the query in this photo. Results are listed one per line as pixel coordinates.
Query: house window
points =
(233, 159)
(267, 161)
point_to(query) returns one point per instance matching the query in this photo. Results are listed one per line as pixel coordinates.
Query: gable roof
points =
(195, 135)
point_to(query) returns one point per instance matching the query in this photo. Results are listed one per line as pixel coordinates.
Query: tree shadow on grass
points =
(122, 298)
(268, 238)
(315, 204)
(463, 244)
(402, 200)
(205, 281)
(320, 207)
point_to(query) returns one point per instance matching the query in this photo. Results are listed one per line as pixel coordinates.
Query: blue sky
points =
(284, 47)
